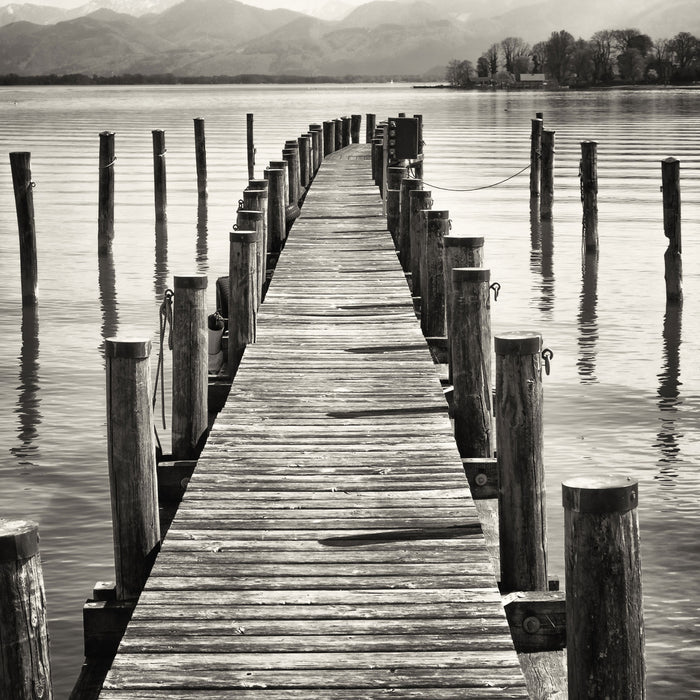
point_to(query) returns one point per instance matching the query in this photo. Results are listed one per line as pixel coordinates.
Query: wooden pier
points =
(327, 545)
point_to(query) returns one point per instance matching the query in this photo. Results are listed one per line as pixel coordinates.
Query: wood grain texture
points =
(327, 545)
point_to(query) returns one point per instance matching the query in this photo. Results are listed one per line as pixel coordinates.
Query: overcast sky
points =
(267, 4)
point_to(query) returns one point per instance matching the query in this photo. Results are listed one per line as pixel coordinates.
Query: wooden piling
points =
(255, 198)
(433, 274)
(328, 137)
(316, 131)
(355, 124)
(339, 133)
(408, 185)
(521, 496)
(25, 667)
(535, 157)
(190, 366)
(305, 162)
(547, 175)
(275, 209)
(251, 220)
(200, 155)
(242, 282)
(132, 463)
(589, 194)
(24, 203)
(418, 163)
(159, 181)
(105, 212)
(291, 154)
(418, 202)
(604, 620)
(377, 160)
(250, 143)
(370, 122)
(671, 187)
(469, 334)
(395, 175)
(347, 131)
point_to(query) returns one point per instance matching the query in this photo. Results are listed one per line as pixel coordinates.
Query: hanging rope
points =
(166, 320)
(476, 189)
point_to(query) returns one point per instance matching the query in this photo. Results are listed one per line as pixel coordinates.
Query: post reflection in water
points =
(108, 294)
(669, 392)
(160, 277)
(588, 319)
(542, 256)
(28, 401)
(202, 236)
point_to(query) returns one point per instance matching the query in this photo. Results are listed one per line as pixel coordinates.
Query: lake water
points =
(624, 393)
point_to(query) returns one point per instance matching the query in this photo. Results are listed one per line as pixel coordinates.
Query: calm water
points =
(624, 393)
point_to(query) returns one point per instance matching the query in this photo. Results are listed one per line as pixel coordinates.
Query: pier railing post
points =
(24, 639)
(328, 137)
(535, 155)
(419, 201)
(251, 220)
(408, 185)
(589, 194)
(433, 274)
(200, 156)
(159, 180)
(255, 199)
(250, 145)
(470, 354)
(671, 187)
(105, 213)
(604, 620)
(24, 202)
(355, 124)
(316, 131)
(338, 133)
(305, 160)
(132, 463)
(190, 366)
(275, 209)
(290, 153)
(242, 281)
(370, 123)
(547, 175)
(521, 497)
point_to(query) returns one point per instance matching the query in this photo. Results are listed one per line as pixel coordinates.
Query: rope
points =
(166, 319)
(483, 187)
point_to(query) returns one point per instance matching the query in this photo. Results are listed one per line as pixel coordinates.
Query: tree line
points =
(610, 56)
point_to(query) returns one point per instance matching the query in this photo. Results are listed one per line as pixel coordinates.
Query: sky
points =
(299, 5)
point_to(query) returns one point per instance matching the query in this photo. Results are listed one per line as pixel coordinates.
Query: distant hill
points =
(227, 37)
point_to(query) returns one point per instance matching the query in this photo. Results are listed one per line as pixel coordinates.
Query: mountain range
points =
(227, 37)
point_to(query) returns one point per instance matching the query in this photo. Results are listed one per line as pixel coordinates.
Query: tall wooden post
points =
(132, 463)
(251, 220)
(242, 281)
(604, 620)
(105, 211)
(408, 185)
(355, 124)
(395, 175)
(159, 181)
(24, 202)
(200, 156)
(370, 122)
(547, 175)
(255, 199)
(24, 638)
(275, 209)
(305, 163)
(671, 186)
(589, 194)
(250, 143)
(316, 131)
(470, 360)
(418, 164)
(433, 274)
(419, 201)
(521, 501)
(535, 153)
(190, 366)
(339, 131)
(377, 160)
(328, 137)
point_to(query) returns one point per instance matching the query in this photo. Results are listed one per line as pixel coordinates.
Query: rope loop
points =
(483, 187)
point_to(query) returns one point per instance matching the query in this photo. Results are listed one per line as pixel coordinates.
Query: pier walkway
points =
(327, 545)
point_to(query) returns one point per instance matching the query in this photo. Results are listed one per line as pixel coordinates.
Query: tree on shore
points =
(460, 73)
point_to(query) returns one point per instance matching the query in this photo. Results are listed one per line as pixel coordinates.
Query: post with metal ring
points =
(105, 198)
(159, 179)
(24, 201)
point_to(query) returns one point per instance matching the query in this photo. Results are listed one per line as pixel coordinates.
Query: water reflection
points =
(588, 319)
(669, 392)
(108, 293)
(202, 235)
(28, 401)
(542, 256)
(160, 276)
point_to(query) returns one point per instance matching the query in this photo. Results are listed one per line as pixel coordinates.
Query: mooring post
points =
(355, 124)
(338, 134)
(105, 212)
(604, 620)
(242, 296)
(370, 122)
(305, 160)
(291, 154)
(159, 183)
(200, 156)
(521, 496)
(346, 128)
(671, 187)
(395, 175)
(408, 185)
(132, 463)
(24, 203)
(547, 175)
(433, 274)
(256, 200)
(589, 194)
(190, 366)
(250, 143)
(316, 131)
(252, 220)
(24, 638)
(535, 156)
(275, 209)
(377, 160)
(328, 137)
(470, 359)
(419, 201)
(418, 163)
